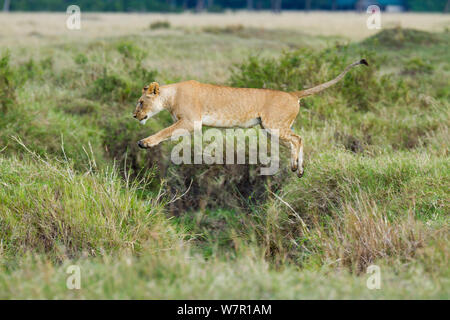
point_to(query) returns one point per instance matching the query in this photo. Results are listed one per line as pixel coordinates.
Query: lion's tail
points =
(323, 86)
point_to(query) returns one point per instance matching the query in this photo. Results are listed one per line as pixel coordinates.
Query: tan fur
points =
(222, 106)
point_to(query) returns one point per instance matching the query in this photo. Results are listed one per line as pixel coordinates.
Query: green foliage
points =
(160, 25)
(13, 77)
(32, 70)
(111, 86)
(178, 273)
(130, 50)
(399, 37)
(81, 59)
(230, 29)
(65, 214)
(8, 83)
(417, 66)
(307, 68)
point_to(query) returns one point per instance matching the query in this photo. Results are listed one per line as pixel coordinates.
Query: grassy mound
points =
(48, 208)
(399, 37)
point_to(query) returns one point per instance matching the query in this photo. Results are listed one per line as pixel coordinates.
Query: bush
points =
(417, 65)
(114, 86)
(159, 25)
(75, 106)
(230, 29)
(306, 68)
(111, 87)
(8, 83)
(81, 59)
(130, 50)
(399, 38)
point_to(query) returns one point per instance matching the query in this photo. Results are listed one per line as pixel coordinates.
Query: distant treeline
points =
(215, 5)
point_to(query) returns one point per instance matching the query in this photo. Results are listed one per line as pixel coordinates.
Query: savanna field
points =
(75, 189)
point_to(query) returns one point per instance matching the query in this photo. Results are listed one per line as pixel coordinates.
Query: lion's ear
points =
(153, 88)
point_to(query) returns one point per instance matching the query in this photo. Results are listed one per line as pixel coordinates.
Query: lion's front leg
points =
(178, 128)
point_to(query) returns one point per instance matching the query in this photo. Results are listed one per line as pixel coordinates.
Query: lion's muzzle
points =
(141, 144)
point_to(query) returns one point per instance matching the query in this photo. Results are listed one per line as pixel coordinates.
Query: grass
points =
(30, 29)
(160, 25)
(75, 188)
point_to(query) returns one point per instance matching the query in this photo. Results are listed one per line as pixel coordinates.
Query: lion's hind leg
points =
(294, 142)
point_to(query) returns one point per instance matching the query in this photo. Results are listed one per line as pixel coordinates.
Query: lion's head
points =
(149, 103)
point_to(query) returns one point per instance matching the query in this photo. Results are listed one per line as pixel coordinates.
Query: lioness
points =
(221, 106)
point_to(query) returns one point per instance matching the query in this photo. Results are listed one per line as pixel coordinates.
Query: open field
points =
(76, 190)
(36, 27)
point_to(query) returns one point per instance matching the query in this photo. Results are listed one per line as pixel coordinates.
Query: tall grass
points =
(49, 208)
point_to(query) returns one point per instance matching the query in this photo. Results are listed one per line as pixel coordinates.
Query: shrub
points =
(305, 68)
(159, 25)
(32, 70)
(8, 83)
(81, 59)
(399, 37)
(130, 50)
(230, 29)
(80, 106)
(117, 86)
(111, 87)
(417, 65)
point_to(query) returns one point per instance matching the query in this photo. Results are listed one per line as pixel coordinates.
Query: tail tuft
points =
(363, 61)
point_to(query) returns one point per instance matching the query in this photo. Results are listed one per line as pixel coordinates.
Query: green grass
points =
(76, 189)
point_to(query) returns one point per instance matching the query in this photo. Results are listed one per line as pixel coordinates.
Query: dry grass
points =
(364, 234)
(32, 28)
